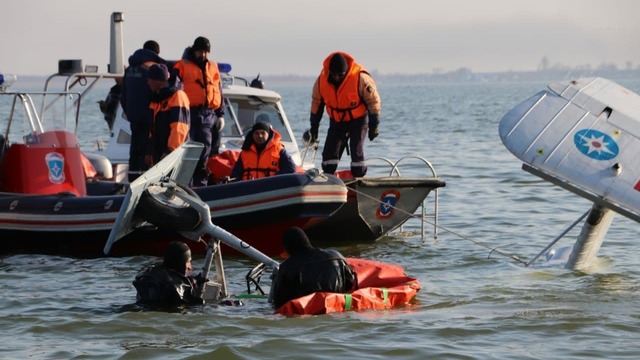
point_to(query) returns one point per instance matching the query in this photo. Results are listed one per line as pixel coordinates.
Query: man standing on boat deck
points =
(308, 270)
(170, 109)
(201, 80)
(348, 92)
(262, 153)
(135, 103)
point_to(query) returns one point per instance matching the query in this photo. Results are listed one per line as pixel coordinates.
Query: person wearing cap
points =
(135, 99)
(350, 96)
(262, 153)
(201, 80)
(171, 116)
(307, 270)
(170, 283)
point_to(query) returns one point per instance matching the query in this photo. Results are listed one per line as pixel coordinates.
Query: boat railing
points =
(33, 118)
(83, 81)
(423, 214)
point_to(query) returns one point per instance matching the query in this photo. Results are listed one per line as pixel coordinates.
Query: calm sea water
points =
(473, 305)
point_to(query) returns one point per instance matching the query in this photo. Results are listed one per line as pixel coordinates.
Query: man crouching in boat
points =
(168, 285)
(263, 154)
(308, 270)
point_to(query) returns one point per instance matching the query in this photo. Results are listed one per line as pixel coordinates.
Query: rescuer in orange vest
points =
(350, 96)
(201, 81)
(262, 154)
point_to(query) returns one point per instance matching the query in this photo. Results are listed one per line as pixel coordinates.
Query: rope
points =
(463, 237)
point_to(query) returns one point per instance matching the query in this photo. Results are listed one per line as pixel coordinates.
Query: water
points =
(471, 306)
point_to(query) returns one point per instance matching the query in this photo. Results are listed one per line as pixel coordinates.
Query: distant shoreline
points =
(459, 76)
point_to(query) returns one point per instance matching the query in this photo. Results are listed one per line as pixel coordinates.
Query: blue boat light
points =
(7, 80)
(224, 67)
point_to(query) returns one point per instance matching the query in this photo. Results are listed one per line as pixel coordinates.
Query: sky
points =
(293, 37)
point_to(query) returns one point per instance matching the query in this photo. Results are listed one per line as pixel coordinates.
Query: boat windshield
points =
(246, 111)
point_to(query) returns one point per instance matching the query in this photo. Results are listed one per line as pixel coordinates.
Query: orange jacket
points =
(344, 103)
(191, 75)
(171, 119)
(267, 163)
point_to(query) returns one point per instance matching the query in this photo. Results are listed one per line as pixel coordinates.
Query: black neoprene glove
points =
(374, 120)
(373, 132)
(314, 133)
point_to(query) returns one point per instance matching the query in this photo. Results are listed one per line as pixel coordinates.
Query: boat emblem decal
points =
(388, 201)
(596, 144)
(13, 205)
(55, 163)
(57, 206)
(108, 204)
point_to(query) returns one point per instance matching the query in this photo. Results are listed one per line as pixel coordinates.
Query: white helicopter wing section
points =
(583, 135)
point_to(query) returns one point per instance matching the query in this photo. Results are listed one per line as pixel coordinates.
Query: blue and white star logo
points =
(596, 144)
(55, 164)
(388, 201)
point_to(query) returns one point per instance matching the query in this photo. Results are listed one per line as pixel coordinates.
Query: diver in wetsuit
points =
(308, 270)
(168, 284)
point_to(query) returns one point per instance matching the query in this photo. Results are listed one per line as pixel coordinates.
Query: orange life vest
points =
(200, 92)
(266, 164)
(345, 103)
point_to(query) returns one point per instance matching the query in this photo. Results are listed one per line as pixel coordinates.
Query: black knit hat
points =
(201, 43)
(152, 45)
(261, 125)
(338, 64)
(295, 241)
(176, 256)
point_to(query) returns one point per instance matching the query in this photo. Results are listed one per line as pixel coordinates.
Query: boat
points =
(381, 286)
(49, 202)
(582, 135)
(377, 205)
(57, 199)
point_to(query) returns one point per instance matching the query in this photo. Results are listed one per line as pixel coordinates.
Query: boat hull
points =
(375, 207)
(257, 212)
